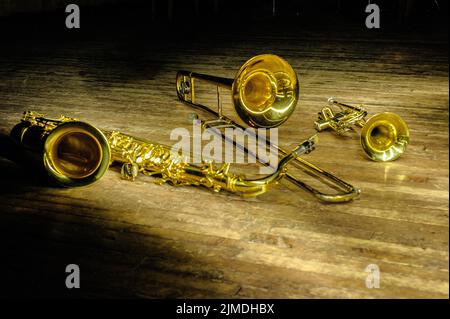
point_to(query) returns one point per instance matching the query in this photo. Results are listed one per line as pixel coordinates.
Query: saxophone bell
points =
(73, 153)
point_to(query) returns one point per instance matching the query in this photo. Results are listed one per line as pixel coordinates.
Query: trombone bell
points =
(264, 92)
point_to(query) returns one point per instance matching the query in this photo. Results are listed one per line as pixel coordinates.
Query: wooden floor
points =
(139, 239)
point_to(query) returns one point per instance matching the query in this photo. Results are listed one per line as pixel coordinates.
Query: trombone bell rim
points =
(278, 81)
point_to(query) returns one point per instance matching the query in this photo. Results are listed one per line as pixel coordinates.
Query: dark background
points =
(182, 19)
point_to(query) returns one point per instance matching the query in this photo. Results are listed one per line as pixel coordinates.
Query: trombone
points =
(384, 137)
(264, 94)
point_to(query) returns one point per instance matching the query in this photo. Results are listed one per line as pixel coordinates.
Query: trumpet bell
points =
(385, 137)
(76, 154)
(265, 91)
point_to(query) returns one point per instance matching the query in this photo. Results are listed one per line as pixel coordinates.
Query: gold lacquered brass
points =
(154, 159)
(264, 91)
(76, 153)
(384, 137)
(264, 94)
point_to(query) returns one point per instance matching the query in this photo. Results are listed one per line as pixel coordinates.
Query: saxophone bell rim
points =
(54, 169)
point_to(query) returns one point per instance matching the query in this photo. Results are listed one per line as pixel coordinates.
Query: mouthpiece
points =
(331, 100)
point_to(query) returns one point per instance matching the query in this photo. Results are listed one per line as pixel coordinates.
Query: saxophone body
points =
(135, 155)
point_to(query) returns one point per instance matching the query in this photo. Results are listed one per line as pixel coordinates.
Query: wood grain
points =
(144, 240)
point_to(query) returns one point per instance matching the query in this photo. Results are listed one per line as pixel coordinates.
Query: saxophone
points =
(76, 153)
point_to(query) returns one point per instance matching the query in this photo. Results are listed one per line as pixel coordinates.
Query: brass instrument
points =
(384, 137)
(264, 94)
(264, 91)
(76, 153)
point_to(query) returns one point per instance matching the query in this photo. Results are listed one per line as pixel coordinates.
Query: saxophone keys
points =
(129, 171)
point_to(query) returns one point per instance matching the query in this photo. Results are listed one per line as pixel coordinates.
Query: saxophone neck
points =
(35, 119)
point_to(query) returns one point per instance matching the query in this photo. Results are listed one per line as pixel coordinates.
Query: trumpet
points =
(76, 154)
(264, 94)
(384, 137)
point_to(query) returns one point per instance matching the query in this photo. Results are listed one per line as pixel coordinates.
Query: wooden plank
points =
(144, 240)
